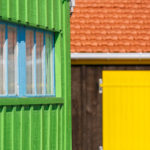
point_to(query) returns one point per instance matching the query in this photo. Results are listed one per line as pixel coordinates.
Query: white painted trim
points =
(110, 56)
(72, 5)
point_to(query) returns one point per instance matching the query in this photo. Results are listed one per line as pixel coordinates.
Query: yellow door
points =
(126, 110)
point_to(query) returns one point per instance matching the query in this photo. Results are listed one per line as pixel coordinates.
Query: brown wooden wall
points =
(86, 108)
(87, 104)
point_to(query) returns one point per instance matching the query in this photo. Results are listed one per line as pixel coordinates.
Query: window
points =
(26, 61)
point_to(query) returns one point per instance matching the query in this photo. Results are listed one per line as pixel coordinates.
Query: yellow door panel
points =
(126, 110)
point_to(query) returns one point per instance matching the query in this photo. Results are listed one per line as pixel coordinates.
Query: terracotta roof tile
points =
(111, 26)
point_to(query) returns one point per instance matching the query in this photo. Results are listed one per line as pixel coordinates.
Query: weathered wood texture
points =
(86, 108)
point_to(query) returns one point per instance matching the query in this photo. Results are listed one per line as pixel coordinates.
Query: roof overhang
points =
(110, 58)
(110, 55)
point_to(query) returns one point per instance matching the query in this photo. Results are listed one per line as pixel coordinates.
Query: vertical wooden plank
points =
(13, 12)
(93, 106)
(36, 128)
(16, 127)
(62, 128)
(17, 10)
(46, 126)
(26, 127)
(56, 14)
(23, 10)
(41, 12)
(8, 9)
(41, 127)
(58, 64)
(84, 105)
(1, 7)
(50, 14)
(60, 138)
(57, 127)
(32, 12)
(37, 13)
(89, 106)
(2, 111)
(8, 143)
(53, 132)
(77, 120)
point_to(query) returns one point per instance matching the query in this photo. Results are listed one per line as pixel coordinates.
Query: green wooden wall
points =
(32, 127)
(40, 123)
(42, 13)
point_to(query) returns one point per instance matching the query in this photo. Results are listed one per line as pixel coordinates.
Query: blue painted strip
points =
(44, 66)
(34, 53)
(4, 96)
(22, 61)
(41, 95)
(10, 95)
(6, 59)
(54, 92)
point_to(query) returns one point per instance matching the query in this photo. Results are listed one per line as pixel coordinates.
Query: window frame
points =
(21, 61)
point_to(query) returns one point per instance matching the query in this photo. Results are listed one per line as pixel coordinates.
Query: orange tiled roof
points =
(110, 26)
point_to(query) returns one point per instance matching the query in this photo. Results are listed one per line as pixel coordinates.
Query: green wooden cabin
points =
(35, 99)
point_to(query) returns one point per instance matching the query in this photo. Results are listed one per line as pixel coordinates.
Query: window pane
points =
(2, 41)
(49, 65)
(29, 62)
(12, 60)
(39, 64)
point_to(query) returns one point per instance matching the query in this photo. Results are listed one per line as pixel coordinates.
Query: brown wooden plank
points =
(84, 103)
(76, 108)
(89, 106)
(93, 99)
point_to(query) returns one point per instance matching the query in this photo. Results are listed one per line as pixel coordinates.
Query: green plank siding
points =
(50, 14)
(30, 127)
(57, 14)
(13, 12)
(38, 13)
(32, 10)
(22, 11)
(41, 12)
(16, 127)
(3, 8)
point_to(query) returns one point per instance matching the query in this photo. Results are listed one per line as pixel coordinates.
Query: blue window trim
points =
(21, 62)
(34, 72)
(54, 62)
(44, 67)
